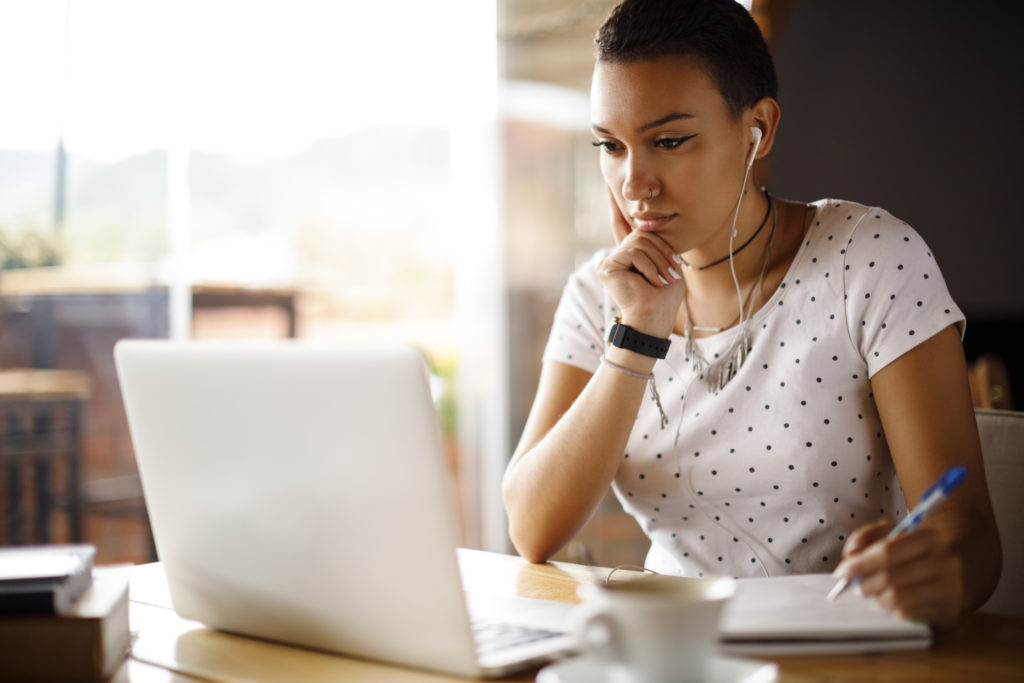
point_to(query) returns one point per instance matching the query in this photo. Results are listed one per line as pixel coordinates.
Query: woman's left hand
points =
(915, 574)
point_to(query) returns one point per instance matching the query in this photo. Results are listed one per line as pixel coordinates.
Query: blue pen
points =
(939, 491)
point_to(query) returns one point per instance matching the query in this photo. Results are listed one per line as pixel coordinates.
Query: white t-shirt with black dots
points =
(770, 474)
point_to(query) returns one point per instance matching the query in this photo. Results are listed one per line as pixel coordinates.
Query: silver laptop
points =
(299, 493)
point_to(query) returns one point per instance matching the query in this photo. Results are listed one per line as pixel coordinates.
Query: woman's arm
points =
(570, 450)
(579, 423)
(952, 562)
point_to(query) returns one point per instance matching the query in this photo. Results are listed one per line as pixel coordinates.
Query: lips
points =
(651, 221)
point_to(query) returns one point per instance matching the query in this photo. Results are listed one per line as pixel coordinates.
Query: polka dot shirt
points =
(770, 474)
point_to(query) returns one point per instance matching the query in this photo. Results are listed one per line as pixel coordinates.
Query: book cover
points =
(88, 642)
(43, 579)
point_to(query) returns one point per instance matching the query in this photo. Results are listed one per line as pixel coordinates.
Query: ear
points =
(765, 115)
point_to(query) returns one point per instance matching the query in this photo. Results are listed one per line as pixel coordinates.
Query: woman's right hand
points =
(642, 276)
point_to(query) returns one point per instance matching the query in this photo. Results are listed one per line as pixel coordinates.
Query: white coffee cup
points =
(655, 629)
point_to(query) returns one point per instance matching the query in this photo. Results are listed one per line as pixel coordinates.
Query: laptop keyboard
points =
(493, 637)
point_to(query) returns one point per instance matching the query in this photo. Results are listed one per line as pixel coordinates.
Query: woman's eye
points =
(605, 145)
(671, 143)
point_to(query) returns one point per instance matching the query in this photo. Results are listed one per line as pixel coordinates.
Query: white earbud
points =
(741, 326)
(756, 132)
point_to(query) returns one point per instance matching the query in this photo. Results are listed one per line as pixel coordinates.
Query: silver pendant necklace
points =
(719, 371)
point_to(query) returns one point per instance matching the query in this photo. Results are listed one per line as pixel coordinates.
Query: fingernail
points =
(841, 572)
(673, 273)
(677, 258)
(663, 280)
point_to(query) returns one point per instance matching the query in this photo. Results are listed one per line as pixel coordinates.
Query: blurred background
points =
(418, 172)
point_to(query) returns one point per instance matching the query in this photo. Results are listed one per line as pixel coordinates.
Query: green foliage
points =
(28, 248)
(446, 368)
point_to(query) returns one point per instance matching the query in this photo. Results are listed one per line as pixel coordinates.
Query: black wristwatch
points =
(625, 337)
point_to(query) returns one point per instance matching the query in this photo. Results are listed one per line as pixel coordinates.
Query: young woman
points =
(814, 382)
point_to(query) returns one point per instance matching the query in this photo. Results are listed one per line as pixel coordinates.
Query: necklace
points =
(741, 247)
(724, 367)
(752, 294)
(716, 330)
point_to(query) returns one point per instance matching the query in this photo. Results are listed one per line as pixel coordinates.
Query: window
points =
(236, 169)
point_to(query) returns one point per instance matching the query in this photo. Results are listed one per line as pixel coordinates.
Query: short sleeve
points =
(895, 295)
(579, 327)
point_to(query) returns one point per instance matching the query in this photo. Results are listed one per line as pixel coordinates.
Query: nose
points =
(639, 181)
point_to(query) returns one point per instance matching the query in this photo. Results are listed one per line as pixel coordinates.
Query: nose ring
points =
(650, 193)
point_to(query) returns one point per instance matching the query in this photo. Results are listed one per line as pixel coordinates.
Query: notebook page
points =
(795, 608)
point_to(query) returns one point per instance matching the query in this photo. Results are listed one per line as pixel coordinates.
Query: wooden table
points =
(984, 648)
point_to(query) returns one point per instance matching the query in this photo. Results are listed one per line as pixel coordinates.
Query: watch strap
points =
(625, 337)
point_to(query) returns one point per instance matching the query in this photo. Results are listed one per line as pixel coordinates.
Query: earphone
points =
(756, 132)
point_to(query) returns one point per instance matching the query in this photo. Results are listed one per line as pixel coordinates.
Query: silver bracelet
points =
(627, 371)
(639, 375)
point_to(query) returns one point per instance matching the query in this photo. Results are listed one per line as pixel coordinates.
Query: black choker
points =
(741, 247)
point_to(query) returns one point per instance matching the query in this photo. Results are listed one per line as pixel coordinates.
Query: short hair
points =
(720, 34)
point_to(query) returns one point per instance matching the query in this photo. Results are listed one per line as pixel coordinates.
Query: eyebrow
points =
(674, 116)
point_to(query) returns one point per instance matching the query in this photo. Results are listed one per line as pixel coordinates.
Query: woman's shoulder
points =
(837, 225)
(590, 263)
(837, 214)
(584, 291)
(584, 276)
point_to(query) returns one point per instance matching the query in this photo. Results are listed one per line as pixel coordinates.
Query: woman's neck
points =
(749, 222)
(710, 267)
(711, 297)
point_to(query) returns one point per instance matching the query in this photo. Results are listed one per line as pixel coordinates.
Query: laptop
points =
(299, 493)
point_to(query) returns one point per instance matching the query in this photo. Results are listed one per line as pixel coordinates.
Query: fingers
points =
(647, 265)
(620, 226)
(646, 253)
(865, 536)
(916, 574)
(639, 275)
(912, 588)
(882, 555)
(639, 256)
(931, 590)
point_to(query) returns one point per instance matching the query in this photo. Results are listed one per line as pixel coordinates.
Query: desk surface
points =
(983, 648)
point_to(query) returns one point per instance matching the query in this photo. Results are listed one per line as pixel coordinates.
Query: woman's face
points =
(662, 126)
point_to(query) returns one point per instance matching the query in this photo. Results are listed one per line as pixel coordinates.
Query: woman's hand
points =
(642, 276)
(915, 574)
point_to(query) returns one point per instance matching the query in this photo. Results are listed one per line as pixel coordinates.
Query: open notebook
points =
(790, 615)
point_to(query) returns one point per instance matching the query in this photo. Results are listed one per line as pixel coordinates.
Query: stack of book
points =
(60, 619)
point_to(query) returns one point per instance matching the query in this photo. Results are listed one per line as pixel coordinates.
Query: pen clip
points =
(949, 481)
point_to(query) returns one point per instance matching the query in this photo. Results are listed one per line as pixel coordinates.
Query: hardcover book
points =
(88, 642)
(43, 579)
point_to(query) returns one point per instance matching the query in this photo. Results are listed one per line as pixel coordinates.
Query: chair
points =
(1002, 448)
(42, 417)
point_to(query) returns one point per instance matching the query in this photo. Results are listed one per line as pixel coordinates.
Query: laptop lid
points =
(299, 493)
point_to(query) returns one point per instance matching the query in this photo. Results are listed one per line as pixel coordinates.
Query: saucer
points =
(584, 669)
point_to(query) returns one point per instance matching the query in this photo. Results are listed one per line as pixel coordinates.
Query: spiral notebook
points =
(790, 615)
